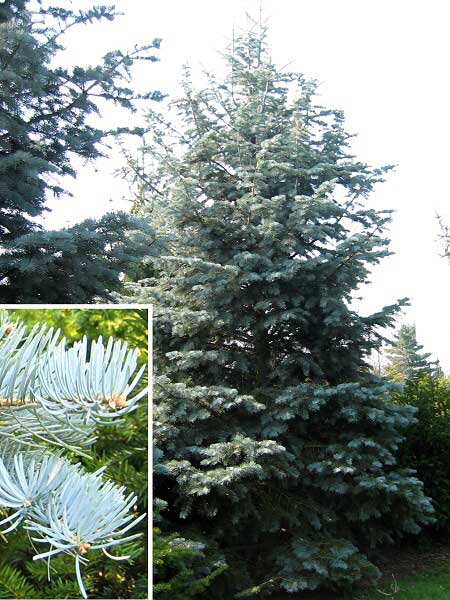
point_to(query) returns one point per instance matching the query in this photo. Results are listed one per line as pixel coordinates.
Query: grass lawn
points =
(415, 572)
(429, 585)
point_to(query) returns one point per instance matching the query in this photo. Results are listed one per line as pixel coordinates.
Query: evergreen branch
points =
(72, 511)
(101, 389)
(85, 91)
(13, 584)
(51, 395)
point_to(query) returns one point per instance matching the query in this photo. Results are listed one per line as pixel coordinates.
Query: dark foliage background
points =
(427, 444)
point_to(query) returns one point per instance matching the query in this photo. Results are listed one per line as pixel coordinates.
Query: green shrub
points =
(427, 446)
(181, 569)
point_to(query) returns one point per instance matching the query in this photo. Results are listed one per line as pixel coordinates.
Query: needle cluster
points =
(52, 395)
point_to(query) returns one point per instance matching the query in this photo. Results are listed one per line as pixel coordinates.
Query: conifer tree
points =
(54, 398)
(406, 359)
(79, 264)
(275, 444)
(45, 121)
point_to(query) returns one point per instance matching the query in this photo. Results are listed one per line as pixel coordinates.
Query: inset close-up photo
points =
(73, 452)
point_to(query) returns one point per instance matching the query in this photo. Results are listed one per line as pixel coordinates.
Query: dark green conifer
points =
(277, 445)
(79, 264)
(406, 359)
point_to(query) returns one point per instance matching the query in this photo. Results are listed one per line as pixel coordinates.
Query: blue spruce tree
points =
(275, 444)
(45, 122)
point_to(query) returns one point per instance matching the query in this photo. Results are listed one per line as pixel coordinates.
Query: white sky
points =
(385, 63)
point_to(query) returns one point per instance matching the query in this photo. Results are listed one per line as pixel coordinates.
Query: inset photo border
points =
(75, 427)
